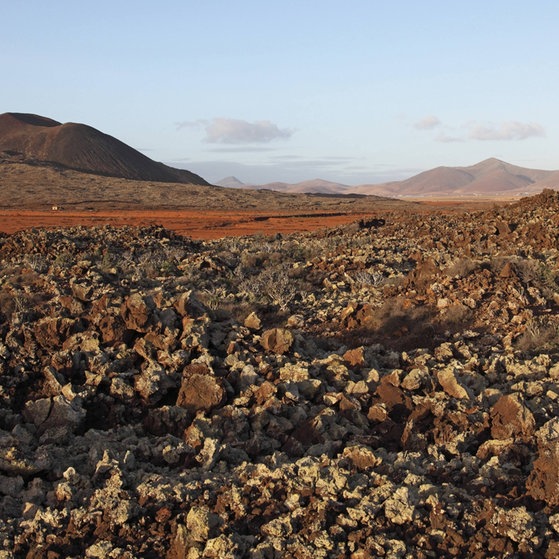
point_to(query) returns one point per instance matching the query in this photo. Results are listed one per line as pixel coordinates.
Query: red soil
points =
(191, 223)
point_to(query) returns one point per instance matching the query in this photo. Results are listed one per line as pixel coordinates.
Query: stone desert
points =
(360, 391)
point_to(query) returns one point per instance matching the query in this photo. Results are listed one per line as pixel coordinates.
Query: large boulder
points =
(543, 482)
(135, 311)
(54, 413)
(200, 389)
(510, 418)
(277, 340)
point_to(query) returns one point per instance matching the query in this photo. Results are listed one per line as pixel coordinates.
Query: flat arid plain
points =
(39, 195)
(49, 196)
(189, 371)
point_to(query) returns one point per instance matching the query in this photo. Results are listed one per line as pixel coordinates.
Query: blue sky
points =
(360, 91)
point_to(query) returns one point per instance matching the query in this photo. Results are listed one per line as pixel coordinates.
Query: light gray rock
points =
(398, 508)
(201, 523)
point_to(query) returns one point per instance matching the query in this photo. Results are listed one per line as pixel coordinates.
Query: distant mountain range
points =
(36, 139)
(490, 177)
(316, 186)
(42, 141)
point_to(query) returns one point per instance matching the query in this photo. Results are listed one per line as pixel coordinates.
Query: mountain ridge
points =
(491, 176)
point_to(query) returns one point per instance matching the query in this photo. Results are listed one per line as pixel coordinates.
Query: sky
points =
(356, 92)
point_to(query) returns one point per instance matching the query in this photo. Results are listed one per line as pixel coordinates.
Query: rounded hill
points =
(34, 138)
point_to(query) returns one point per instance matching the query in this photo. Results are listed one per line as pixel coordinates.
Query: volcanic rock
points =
(200, 389)
(450, 384)
(510, 418)
(140, 415)
(253, 322)
(543, 482)
(136, 311)
(277, 340)
(52, 413)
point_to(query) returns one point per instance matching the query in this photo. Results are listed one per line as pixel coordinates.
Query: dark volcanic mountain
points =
(35, 138)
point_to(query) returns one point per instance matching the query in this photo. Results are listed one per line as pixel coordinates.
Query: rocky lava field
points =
(372, 390)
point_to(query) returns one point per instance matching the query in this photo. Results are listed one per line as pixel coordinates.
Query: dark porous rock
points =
(50, 413)
(186, 304)
(389, 392)
(52, 332)
(167, 419)
(201, 523)
(82, 291)
(153, 383)
(355, 357)
(112, 329)
(358, 315)
(361, 457)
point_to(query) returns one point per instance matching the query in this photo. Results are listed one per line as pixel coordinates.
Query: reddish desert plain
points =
(213, 224)
(192, 223)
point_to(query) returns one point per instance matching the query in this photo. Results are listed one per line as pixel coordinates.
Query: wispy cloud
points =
(221, 130)
(190, 124)
(234, 131)
(505, 131)
(427, 123)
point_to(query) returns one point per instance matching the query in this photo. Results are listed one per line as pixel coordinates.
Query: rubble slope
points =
(384, 389)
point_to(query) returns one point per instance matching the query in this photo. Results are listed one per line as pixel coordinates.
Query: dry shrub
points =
(397, 324)
(539, 274)
(8, 305)
(401, 324)
(532, 272)
(272, 286)
(456, 315)
(462, 268)
(541, 334)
